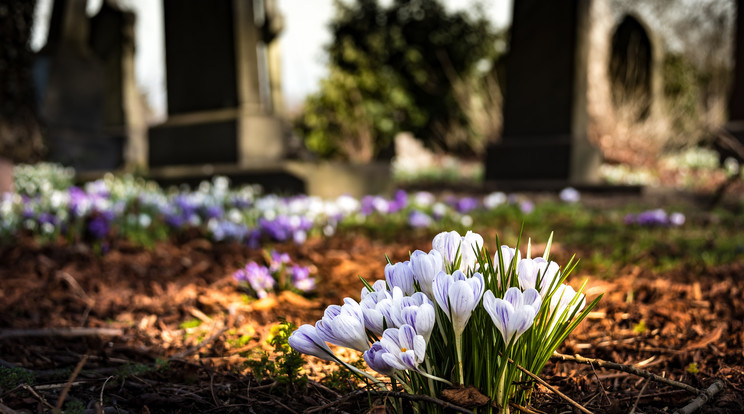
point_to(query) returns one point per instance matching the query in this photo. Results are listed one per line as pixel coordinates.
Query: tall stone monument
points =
(218, 80)
(545, 117)
(88, 98)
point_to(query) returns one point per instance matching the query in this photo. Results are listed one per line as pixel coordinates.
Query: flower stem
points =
(431, 380)
(458, 346)
(434, 377)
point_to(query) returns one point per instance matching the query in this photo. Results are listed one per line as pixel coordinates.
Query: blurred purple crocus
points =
(570, 195)
(418, 219)
(258, 277)
(466, 204)
(301, 278)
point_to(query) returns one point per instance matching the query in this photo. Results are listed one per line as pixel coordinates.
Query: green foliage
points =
(191, 323)
(682, 93)
(13, 377)
(640, 327)
(411, 66)
(345, 380)
(285, 367)
(74, 407)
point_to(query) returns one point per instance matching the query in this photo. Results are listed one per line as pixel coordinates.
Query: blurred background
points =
(363, 96)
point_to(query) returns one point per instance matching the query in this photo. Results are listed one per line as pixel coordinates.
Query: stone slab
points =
(194, 144)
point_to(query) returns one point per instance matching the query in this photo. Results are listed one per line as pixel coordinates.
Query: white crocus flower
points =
(373, 318)
(400, 275)
(458, 295)
(448, 243)
(565, 297)
(514, 314)
(530, 270)
(307, 341)
(405, 348)
(344, 326)
(507, 255)
(425, 267)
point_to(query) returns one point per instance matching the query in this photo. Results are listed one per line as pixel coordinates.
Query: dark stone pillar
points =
(216, 114)
(545, 120)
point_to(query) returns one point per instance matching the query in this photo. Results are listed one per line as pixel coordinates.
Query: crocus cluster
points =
(455, 315)
(280, 274)
(656, 218)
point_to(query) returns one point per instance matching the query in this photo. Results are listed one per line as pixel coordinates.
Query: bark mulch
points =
(167, 330)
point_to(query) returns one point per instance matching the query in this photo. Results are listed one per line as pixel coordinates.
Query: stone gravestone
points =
(215, 74)
(82, 73)
(545, 121)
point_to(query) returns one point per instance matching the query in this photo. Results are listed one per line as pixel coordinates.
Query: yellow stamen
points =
(403, 349)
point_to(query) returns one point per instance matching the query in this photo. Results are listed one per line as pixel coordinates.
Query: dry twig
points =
(702, 398)
(625, 368)
(413, 397)
(59, 332)
(635, 404)
(66, 389)
(551, 388)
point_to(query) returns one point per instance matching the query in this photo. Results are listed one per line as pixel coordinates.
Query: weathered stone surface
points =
(545, 120)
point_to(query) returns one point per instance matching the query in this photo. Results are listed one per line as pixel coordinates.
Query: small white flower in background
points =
(494, 200)
(570, 195)
(439, 209)
(458, 295)
(514, 314)
(677, 219)
(466, 221)
(423, 199)
(344, 326)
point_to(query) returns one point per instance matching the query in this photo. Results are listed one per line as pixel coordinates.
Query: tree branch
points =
(702, 398)
(625, 368)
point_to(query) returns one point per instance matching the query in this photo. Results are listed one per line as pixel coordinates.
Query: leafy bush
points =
(411, 66)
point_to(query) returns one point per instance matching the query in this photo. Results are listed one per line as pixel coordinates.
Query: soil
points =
(164, 327)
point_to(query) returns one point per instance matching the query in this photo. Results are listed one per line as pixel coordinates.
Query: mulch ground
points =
(136, 354)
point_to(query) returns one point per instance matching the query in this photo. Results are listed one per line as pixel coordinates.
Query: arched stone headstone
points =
(631, 66)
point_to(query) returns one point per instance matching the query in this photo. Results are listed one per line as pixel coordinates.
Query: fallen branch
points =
(66, 389)
(551, 388)
(59, 332)
(412, 397)
(702, 398)
(625, 368)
